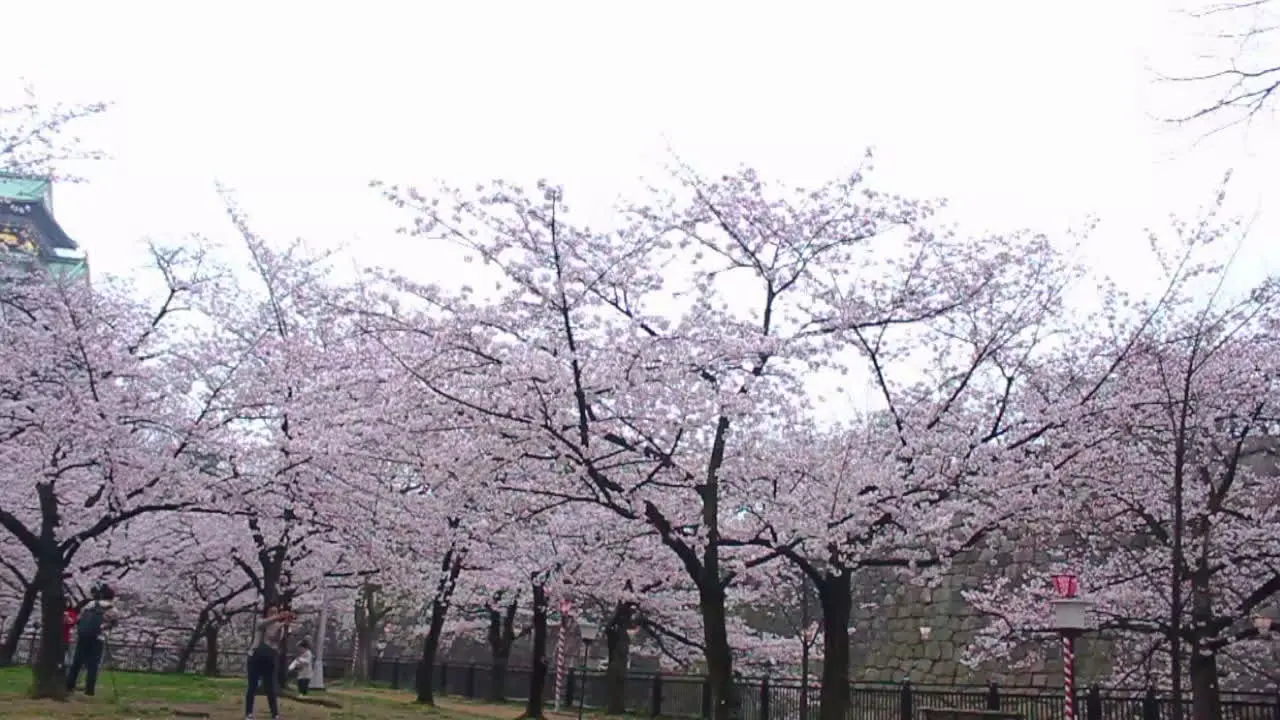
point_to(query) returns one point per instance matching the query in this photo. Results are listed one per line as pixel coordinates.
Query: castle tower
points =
(29, 234)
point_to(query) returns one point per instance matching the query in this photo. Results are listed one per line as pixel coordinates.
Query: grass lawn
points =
(145, 696)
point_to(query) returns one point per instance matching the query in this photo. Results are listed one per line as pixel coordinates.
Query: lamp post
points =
(632, 634)
(1071, 619)
(318, 663)
(804, 643)
(1262, 624)
(588, 633)
(566, 607)
(926, 631)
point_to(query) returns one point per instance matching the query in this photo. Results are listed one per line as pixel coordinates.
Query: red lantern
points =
(1066, 585)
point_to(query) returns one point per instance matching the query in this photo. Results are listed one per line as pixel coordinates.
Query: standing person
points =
(97, 618)
(70, 619)
(264, 656)
(302, 664)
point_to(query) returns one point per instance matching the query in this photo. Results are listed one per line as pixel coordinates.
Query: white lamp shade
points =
(925, 632)
(1071, 614)
(588, 631)
(1262, 624)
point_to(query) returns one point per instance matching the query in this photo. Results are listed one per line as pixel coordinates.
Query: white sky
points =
(1022, 113)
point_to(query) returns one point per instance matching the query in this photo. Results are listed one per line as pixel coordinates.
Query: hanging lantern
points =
(1067, 585)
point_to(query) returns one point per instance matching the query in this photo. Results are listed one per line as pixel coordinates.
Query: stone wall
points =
(887, 644)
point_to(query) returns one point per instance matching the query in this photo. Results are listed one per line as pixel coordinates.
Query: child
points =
(302, 664)
(70, 620)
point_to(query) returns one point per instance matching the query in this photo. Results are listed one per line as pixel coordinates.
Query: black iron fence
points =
(686, 696)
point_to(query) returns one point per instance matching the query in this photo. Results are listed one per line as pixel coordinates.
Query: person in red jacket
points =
(70, 618)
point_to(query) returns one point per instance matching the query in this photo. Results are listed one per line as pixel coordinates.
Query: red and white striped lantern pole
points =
(1071, 619)
(1069, 675)
(561, 646)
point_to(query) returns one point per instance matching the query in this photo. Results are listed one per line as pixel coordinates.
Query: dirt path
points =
(471, 708)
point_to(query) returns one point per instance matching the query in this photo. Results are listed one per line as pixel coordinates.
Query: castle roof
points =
(27, 225)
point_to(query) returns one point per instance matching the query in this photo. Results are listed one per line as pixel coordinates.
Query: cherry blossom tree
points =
(270, 330)
(174, 581)
(205, 587)
(19, 594)
(1239, 67)
(782, 598)
(103, 419)
(1163, 492)
(37, 140)
(627, 581)
(415, 482)
(644, 359)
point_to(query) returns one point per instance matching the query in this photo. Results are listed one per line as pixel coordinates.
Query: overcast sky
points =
(1022, 113)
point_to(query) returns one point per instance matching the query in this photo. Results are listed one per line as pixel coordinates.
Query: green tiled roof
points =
(24, 189)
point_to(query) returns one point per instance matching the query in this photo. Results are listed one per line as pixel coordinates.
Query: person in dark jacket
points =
(95, 621)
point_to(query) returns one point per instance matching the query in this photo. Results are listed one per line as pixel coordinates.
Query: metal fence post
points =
(31, 652)
(1093, 704)
(764, 698)
(1150, 705)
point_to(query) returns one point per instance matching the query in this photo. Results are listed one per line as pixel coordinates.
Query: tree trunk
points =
(48, 678)
(1202, 666)
(719, 655)
(19, 625)
(370, 613)
(189, 647)
(502, 635)
(711, 593)
(836, 594)
(538, 679)
(211, 650)
(618, 642)
(451, 568)
(498, 675)
(430, 648)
